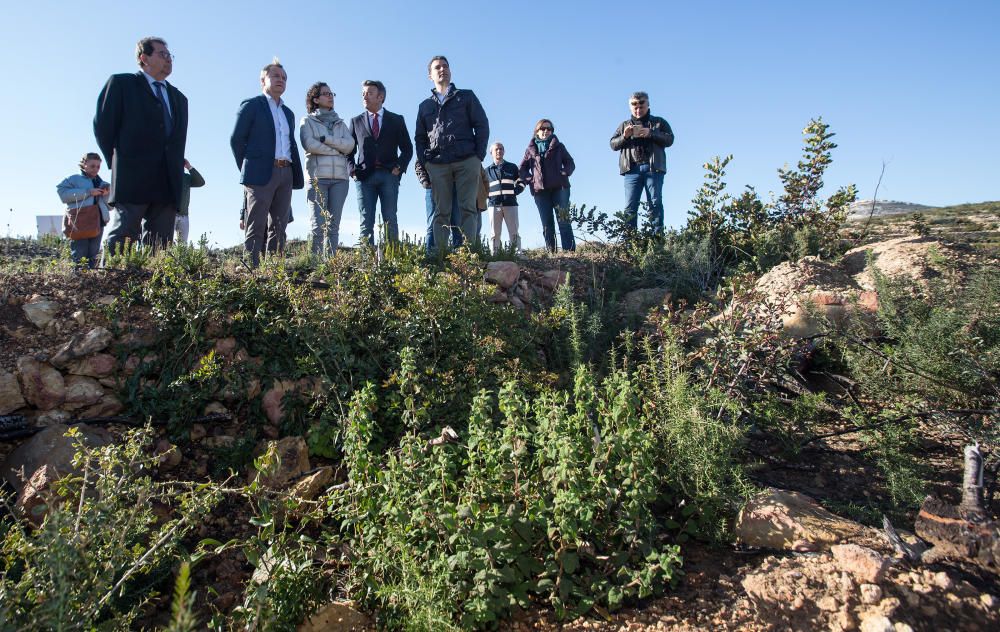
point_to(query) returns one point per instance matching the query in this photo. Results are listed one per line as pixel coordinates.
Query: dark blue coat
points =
(253, 143)
(453, 130)
(146, 164)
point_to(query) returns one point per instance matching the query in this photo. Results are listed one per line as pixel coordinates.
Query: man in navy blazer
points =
(263, 144)
(383, 150)
(141, 128)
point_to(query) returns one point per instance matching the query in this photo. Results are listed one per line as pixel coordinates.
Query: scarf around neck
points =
(327, 118)
(542, 145)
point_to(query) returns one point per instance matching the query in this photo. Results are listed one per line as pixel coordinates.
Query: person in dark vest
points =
(504, 187)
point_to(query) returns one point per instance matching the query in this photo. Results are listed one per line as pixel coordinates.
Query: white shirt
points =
(166, 97)
(282, 142)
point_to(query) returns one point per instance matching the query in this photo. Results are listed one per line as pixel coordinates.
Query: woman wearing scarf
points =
(84, 189)
(327, 142)
(547, 167)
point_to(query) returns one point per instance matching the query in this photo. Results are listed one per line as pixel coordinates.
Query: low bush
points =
(100, 550)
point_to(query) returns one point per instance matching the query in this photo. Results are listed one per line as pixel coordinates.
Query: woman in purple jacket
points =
(547, 167)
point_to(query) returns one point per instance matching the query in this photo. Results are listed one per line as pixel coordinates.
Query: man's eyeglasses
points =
(327, 94)
(165, 55)
(635, 103)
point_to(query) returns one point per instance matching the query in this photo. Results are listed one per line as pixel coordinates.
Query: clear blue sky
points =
(914, 84)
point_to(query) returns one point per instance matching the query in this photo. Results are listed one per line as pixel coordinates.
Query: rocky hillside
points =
(260, 388)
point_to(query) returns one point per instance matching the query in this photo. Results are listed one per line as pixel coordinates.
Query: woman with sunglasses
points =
(546, 167)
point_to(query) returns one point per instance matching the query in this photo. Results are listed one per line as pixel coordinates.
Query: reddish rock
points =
(503, 273)
(79, 346)
(272, 400)
(10, 393)
(33, 501)
(291, 461)
(51, 447)
(868, 301)
(97, 365)
(81, 391)
(42, 385)
(864, 564)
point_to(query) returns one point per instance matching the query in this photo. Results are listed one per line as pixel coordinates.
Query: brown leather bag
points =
(83, 222)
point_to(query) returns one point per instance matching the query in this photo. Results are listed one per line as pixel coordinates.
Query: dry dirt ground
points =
(789, 590)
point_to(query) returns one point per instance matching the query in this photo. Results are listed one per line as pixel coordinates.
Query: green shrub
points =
(553, 501)
(100, 550)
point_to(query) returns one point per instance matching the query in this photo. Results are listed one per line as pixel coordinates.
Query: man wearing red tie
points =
(383, 151)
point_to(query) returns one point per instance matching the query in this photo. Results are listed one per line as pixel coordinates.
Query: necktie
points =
(167, 122)
(375, 125)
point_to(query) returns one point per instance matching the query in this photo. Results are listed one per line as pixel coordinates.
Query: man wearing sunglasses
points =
(141, 128)
(641, 140)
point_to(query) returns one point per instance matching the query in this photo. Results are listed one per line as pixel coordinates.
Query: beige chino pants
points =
(504, 215)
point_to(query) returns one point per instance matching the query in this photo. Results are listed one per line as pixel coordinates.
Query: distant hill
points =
(862, 208)
(977, 224)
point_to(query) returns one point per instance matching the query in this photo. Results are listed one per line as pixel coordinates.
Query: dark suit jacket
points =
(146, 165)
(253, 143)
(391, 149)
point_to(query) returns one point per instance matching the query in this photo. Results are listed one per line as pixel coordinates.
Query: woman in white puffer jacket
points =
(327, 141)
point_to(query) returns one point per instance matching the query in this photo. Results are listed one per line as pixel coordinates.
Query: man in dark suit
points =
(383, 152)
(263, 143)
(141, 127)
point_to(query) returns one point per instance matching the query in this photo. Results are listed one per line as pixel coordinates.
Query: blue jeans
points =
(380, 185)
(331, 196)
(86, 249)
(456, 234)
(640, 178)
(553, 204)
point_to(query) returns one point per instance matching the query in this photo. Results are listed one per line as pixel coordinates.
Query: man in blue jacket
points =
(263, 144)
(451, 138)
